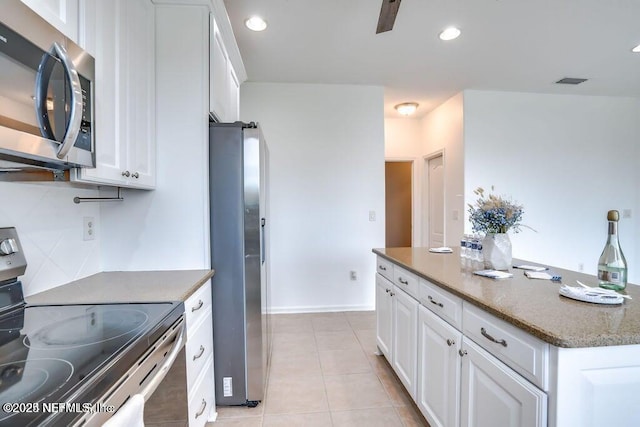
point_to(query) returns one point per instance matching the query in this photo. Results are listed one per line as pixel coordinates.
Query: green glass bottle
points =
(612, 267)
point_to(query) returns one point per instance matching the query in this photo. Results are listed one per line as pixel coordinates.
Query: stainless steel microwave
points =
(46, 94)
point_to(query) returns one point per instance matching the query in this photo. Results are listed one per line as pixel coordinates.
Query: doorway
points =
(435, 200)
(398, 203)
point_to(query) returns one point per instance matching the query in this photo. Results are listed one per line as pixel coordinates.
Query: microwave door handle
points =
(75, 115)
(45, 68)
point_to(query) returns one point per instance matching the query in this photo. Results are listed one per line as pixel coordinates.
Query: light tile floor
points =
(324, 372)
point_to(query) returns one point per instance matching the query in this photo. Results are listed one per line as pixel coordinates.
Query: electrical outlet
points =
(89, 228)
(372, 216)
(626, 213)
(353, 275)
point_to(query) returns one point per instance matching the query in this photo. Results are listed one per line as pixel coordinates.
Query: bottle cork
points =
(613, 216)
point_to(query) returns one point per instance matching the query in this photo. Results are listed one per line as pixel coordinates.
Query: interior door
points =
(398, 203)
(435, 186)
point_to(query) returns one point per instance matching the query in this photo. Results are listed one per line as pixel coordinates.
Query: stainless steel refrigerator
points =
(238, 159)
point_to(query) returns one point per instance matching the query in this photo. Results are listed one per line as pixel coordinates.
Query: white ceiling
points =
(511, 45)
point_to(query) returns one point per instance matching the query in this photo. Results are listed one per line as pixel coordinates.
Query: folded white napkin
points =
(441, 250)
(590, 295)
(129, 415)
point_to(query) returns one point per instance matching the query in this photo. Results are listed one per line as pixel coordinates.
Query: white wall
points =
(168, 228)
(403, 141)
(568, 160)
(442, 131)
(326, 146)
(50, 229)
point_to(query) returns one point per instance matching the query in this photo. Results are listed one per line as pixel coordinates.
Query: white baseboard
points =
(320, 309)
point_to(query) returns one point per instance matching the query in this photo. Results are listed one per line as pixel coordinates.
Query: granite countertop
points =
(126, 287)
(530, 304)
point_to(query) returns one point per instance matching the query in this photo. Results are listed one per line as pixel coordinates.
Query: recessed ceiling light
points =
(449, 33)
(636, 49)
(255, 23)
(406, 108)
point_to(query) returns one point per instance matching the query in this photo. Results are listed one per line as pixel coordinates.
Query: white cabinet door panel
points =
(438, 370)
(384, 316)
(494, 395)
(405, 339)
(62, 14)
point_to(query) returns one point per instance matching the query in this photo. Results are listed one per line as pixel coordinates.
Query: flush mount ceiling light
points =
(406, 108)
(636, 49)
(449, 33)
(255, 23)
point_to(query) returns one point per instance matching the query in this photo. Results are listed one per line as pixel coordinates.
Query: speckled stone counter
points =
(532, 305)
(126, 287)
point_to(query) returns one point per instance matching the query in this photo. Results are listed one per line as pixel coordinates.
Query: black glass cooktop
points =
(58, 353)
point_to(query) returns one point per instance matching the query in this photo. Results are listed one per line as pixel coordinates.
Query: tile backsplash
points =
(50, 227)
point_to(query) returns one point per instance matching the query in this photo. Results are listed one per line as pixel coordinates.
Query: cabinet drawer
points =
(385, 268)
(197, 306)
(441, 302)
(202, 401)
(198, 349)
(524, 353)
(406, 281)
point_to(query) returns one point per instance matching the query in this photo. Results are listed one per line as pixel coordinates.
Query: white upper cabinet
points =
(62, 14)
(224, 86)
(124, 34)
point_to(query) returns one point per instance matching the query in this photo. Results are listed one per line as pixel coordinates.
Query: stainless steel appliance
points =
(46, 94)
(239, 242)
(77, 364)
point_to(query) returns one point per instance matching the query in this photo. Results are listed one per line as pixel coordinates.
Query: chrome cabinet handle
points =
(382, 267)
(198, 307)
(135, 175)
(450, 342)
(404, 282)
(439, 304)
(484, 333)
(391, 293)
(462, 352)
(199, 355)
(387, 290)
(201, 411)
(126, 173)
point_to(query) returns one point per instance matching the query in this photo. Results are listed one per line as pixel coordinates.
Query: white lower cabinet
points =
(494, 395)
(397, 330)
(405, 339)
(438, 369)
(454, 381)
(384, 317)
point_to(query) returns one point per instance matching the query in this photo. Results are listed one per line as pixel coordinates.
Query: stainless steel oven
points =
(77, 365)
(46, 94)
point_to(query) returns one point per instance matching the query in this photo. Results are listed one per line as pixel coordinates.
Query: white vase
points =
(496, 250)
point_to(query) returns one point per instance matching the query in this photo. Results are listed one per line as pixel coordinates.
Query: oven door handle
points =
(148, 390)
(75, 113)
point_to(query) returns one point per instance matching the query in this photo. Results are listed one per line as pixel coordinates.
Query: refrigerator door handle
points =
(263, 246)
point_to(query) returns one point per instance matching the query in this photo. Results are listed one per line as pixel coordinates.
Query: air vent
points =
(571, 81)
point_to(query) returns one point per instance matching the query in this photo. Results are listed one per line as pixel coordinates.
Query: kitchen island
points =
(471, 349)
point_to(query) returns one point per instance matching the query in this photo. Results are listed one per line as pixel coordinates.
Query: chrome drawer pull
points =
(201, 411)
(387, 290)
(450, 342)
(404, 282)
(198, 307)
(198, 356)
(383, 268)
(439, 304)
(490, 338)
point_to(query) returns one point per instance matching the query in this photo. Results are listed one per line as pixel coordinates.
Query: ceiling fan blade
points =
(388, 13)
